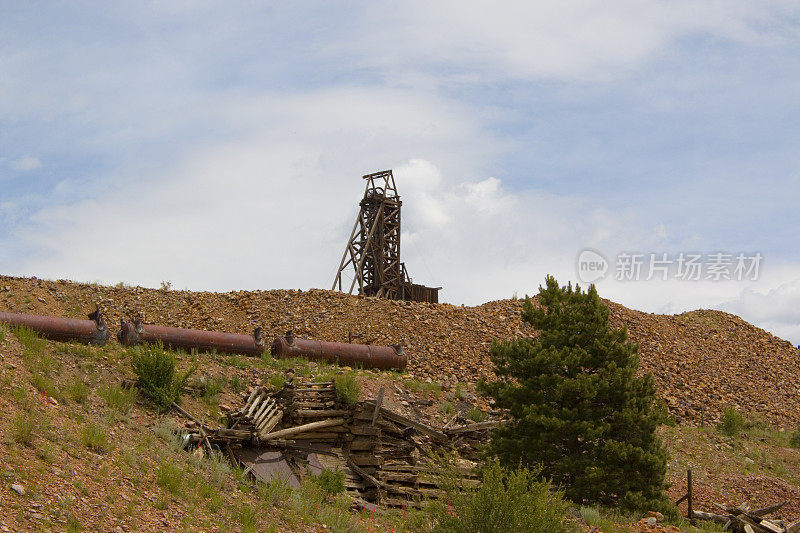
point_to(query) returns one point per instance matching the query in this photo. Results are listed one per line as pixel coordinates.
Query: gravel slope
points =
(701, 360)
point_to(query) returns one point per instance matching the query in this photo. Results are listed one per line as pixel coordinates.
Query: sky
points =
(220, 145)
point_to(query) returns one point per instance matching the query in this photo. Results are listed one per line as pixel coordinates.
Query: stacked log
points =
(467, 438)
(743, 519)
(386, 457)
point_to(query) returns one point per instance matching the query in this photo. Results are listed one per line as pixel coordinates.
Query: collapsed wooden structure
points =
(743, 519)
(388, 459)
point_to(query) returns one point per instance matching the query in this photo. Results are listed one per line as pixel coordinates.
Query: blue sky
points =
(219, 145)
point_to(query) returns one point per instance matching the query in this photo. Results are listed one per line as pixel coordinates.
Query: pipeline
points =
(92, 331)
(366, 355)
(133, 333)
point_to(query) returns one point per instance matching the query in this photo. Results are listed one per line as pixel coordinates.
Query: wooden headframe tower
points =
(373, 249)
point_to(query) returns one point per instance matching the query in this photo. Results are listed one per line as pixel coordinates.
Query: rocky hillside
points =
(701, 360)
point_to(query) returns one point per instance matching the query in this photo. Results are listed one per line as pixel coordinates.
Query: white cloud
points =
(26, 164)
(219, 184)
(572, 39)
(776, 309)
(269, 210)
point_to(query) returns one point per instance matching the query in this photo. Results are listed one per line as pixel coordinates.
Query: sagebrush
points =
(508, 501)
(157, 376)
(347, 388)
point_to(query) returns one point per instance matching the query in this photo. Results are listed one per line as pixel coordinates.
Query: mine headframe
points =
(373, 249)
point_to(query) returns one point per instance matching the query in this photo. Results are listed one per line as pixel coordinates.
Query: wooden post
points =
(689, 513)
(378, 404)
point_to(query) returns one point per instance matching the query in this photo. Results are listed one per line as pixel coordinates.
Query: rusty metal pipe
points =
(93, 331)
(366, 355)
(133, 333)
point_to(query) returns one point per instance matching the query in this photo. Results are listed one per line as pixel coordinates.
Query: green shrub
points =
(34, 353)
(459, 392)
(314, 505)
(209, 388)
(508, 501)
(31, 342)
(46, 386)
(307, 499)
(22, 427)
(247, 517)
(347, 388)
(592, 517)
(93, 436)
(275, 492)
(476, 415)
(169, 476)
(236, 361)
(423, 386)
(277, 381)
(21, 398)
(609, 520)
(74, 525)
(447, 408)
(76, 390)
(330, 481)
(731, 422)
(167, 430)
(157, 380)
(118, 398)
(794, 438)
(237, 385)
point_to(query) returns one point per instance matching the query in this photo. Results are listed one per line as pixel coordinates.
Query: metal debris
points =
(92, 331)
(366, 355)
(135, 332)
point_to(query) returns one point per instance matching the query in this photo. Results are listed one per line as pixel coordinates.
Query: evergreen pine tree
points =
(577, 407)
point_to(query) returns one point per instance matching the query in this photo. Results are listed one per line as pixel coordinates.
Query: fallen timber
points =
(92, 331)
(302, 429)
(743, 519)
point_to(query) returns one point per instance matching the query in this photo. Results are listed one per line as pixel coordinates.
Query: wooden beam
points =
(304, 428)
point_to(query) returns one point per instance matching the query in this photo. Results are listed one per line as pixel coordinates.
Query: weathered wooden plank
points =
(313, 405)
(362, 444)
(479, 426)
(366, 459)
(378, 405)
(322, 435)
(254, 405)
(365, 430)
(422, 428)
(321, 412)
(303, 428)
(269, 424)
(266, 410)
